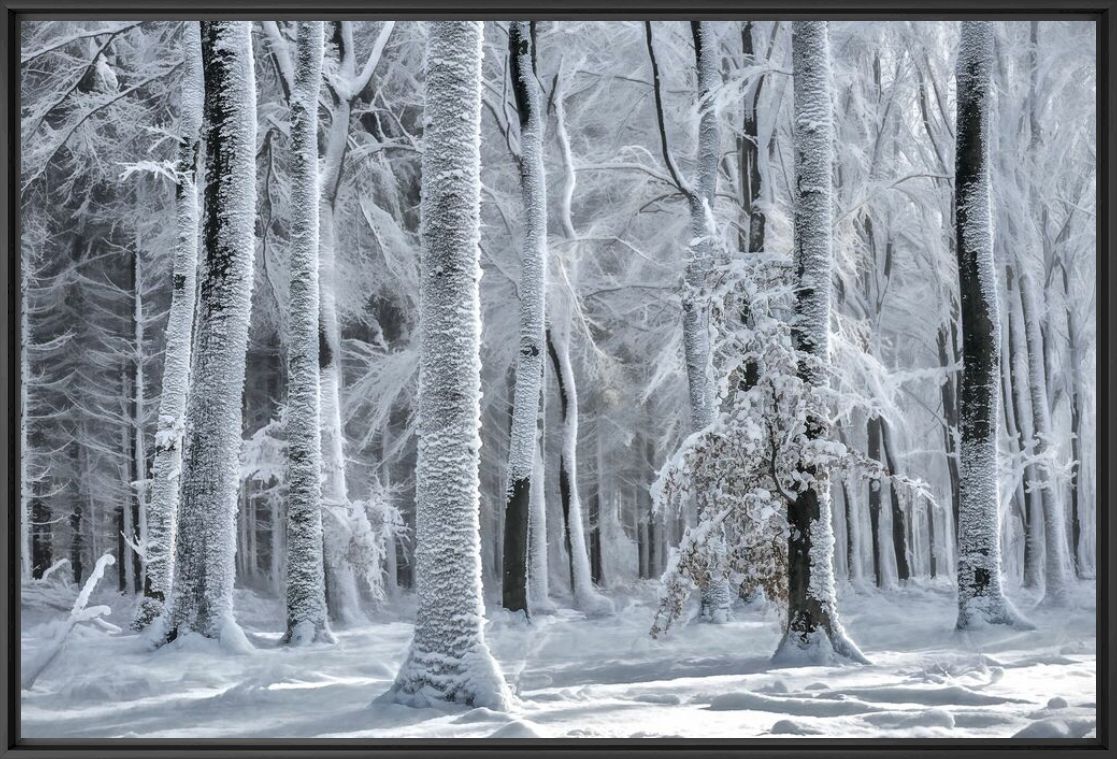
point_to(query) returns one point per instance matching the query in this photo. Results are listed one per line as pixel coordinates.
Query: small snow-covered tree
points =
(202, 591)
(162, 506)
(306, 592)
(448, 659)
(761, 453)
(980, 595)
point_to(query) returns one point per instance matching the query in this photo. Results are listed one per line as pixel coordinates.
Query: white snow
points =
(579, 676)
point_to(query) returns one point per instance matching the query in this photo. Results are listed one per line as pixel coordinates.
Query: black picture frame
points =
(1102, 12)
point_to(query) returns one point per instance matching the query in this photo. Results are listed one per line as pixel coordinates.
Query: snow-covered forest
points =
(558, 379)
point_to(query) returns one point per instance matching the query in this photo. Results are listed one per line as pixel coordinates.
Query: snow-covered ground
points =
(594, 678)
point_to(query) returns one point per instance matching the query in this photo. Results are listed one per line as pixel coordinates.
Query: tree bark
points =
(306, 590)
(1056, 562)
(448, 659)
(814, 632)
(980, 596)
(532, 290)
(206, 546)
(166, 469)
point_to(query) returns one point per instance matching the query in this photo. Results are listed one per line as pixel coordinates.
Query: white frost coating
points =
(716, 597)
(1056, 560)
(980, 596)
(533, 269)
(696, 337)
(306, 591)
(532, 290)
(448, 659)
(162, 506)
(202, 599)
(814, 632)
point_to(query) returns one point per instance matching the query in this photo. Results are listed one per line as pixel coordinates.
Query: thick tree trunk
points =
(306, 591)
(166, 469)
(814, 632)
(532, 290)
(448, 659)
(206, 545)
(980, 596)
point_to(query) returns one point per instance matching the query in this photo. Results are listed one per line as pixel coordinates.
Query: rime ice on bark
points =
(532, 289)
(980, 597)
(814, 633)
(448, 659)
(1056, 561)
(162, 506)
(306, 592)
(206, 542)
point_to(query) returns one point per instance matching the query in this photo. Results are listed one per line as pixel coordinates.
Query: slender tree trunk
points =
(751, 236)
(899, 534)
(814, 632)
(306, 591)
(448, 659)
(949, 397)
(585, 597)
(1022, 408)
(26, 490)
(980, 596)
(716, 596)
(874, 434)
(1056, 562)
(206, 543)
(532, 289)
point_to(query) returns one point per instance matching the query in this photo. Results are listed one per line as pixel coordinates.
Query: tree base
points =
(981, 611)
(814, 647)
(428, 678)
(306, 632)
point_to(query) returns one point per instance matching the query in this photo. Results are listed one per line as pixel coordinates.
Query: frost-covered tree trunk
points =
(166, 468)
(539, 584)
(343, 599)
(873, 435)
(306, 592)
(751, 236)
(532, 289)
(448, 659)
(945, 342)
(204, 569)
(1056, 561)
(586, 597)
(980, 595)
(814, 632)
(900, 542)
(696, 337)
(716, 596)
(26, 491)
(1022, 409)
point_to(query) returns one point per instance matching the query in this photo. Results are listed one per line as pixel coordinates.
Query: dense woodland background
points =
(101, 108)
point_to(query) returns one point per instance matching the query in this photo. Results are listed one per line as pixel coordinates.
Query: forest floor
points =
(590, 678)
